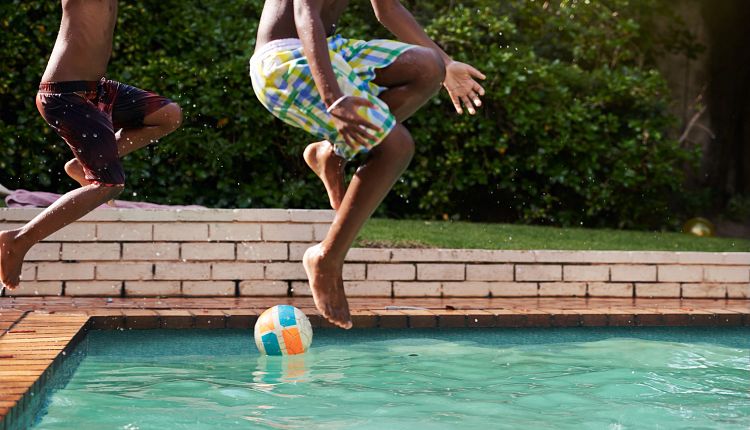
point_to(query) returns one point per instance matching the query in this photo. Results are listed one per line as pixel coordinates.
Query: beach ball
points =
(699, 227)
(283, 330)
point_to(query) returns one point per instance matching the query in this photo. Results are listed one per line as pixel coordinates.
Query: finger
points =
(474, 97)
(360, 101)
(364, 122)
(478, 89)
(469, 106)
(456, 104)
(476, 73)
(349, 142)
(359, 137)
(367, 135)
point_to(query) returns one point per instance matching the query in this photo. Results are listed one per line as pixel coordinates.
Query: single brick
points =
(150, 251)
(93, 288)
(739, 258)
(44, 252)
(368, 289)
(680, 273)
(585, 273)
(726, 274)
(466, 289)
(320, 231)
(152, 288)
(562, 289)
(208, 288)
(738, 291)
(259, 251)
(286, 232)
(660, 289)
(124, 271)
(633, 273)
(417, 289)
(441, 272)
(489, 272)
(610, 289)
(36, 288)
(514, 289)
(234, 232)
(538, 272)
(186, 271)
(238, 271)
(369, 255)
(354, 272)
(704, 290)
(391, 272)
(285, 271)
(125, 232)
(262, 215)
(76, 232)
(28, 272)
(300, 289)
(297, 250)
(264, 288)
(699, 257)
(181, 231)
(207, 251)
(65, 271)
(312, 215)
(91, 251)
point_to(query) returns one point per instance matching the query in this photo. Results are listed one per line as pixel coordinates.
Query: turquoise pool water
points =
(409, 379)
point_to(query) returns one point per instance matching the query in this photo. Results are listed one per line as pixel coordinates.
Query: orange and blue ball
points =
(283, 330)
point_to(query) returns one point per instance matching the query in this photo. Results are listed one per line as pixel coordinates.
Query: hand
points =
(355, 129)
(462, 86)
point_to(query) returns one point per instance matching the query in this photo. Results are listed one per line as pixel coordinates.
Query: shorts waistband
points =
(276, 46)
(69, 87)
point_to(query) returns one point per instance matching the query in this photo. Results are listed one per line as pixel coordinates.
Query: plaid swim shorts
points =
(283, 83)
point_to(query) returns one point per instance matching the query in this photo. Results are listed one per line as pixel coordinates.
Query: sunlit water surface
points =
(410, 379)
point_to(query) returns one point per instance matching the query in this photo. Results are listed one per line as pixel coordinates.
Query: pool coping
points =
(36, 333)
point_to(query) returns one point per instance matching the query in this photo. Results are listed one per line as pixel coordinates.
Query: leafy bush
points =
(574, 128)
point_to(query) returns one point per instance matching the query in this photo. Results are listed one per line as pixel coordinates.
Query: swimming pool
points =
(375, 379)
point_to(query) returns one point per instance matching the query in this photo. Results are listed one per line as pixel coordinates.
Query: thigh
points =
(413, 65)
(88, 132)
(131, 105)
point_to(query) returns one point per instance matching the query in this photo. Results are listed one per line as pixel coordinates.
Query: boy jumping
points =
(354, 94)
(101, 120)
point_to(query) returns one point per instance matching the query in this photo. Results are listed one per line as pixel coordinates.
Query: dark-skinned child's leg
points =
(411, 80)
(372, 181)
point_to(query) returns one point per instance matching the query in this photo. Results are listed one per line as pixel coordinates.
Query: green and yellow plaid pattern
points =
(283, 83)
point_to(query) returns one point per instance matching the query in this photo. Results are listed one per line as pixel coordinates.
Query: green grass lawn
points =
(442, 234)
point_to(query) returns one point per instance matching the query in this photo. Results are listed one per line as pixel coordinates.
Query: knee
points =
(110, 192)
(72, 166)
(401, 142)
(432, 68)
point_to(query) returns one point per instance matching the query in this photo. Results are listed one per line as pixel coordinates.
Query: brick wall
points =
(114, 252)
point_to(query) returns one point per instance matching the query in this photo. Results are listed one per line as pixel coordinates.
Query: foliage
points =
(574, 128)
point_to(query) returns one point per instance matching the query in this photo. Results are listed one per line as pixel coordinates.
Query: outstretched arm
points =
(343, 107)
(460, 78)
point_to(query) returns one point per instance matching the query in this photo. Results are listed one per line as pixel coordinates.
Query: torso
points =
(84, 42)
(277, 19)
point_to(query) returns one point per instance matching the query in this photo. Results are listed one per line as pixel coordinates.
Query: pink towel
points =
(41, 199)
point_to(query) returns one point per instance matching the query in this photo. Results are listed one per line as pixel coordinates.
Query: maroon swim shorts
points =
(87, 114)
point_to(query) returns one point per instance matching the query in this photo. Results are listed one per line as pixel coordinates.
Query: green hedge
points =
(574, 129)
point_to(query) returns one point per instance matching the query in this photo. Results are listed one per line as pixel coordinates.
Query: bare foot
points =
(330, 169)
(75, 171)
(327, 288)
(11, 260)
